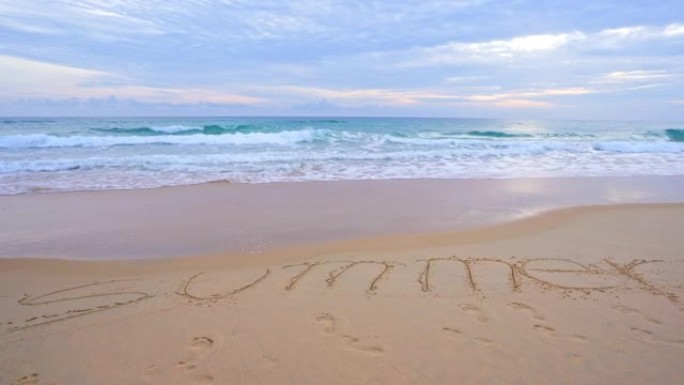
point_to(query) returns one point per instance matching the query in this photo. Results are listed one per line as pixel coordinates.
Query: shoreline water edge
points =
(251, 218)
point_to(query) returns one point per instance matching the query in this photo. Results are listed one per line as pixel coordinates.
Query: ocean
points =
(71, 154)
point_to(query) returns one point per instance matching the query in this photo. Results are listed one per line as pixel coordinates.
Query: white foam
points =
(174, 128)
(640, 147)
(46, 141)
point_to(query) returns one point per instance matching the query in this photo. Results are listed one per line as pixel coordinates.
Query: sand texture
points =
(578, 296)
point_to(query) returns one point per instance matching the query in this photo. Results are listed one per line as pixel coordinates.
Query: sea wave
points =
(47, 141)
(652, 147)
(497, 134)
(25, 121)
(212, 129)
(675, 134)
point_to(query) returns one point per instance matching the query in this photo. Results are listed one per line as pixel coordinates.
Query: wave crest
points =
(47, 141)
(675, 134)
(212, 129)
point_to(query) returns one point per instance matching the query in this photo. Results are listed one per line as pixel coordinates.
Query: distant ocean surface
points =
(67, 154)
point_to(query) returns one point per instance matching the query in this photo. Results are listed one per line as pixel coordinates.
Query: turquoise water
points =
(66, 154)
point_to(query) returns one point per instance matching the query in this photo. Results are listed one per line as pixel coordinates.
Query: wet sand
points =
(223, 217)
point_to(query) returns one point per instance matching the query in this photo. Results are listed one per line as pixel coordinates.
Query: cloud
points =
(24, 78)
(674, 30)
(523, 103)
(531, 46)
(531, 43)
(619, 37)
(457, 52)
(363, 96)
(636, 76)
(531, 94)
(393, 97)
(634, 32)
(427, 56)
(100, 20)
(463, 79)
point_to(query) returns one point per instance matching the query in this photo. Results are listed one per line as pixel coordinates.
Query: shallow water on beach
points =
(67, 154)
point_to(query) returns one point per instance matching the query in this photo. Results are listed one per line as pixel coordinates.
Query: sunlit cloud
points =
(639, 75)
(530, 46)
(513, 99)
(497, 49)
(523, 103)
(531, 94)
(632, 32)
(674, 30)
(21, 76)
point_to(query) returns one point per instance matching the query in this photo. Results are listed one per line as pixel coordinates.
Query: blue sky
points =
(462, 58)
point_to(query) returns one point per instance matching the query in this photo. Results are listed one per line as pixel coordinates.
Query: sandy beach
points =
(586, 293)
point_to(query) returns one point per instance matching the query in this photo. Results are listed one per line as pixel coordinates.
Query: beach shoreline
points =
(252, 218)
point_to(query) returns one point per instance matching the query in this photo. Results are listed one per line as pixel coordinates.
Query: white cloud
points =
(531, 46)
(497, 49)
(463, 79)
(674, 30)
(640, 33)
(24, 78)
(523, 103)
(636, 76)
(530, 43)
(625, 32)
(21, 75)
(517, 95)
(101, 20)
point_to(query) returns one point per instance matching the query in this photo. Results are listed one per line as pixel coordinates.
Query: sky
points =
(461, 58)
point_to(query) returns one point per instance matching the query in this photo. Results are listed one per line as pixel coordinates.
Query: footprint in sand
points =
(451, 330)
(535, 316)
(204, 379)
(483, 340)
(629, 310)
(452, 333)
(201, 343)
(327, 323)
(544, 328)
(476, 311)
(31, 379)
(198, 347)
(650, 336)
(354, 344)
(528, 309)
(643, 331)
(579, 338)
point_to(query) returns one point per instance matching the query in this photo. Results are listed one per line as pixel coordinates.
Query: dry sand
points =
(588, 295)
